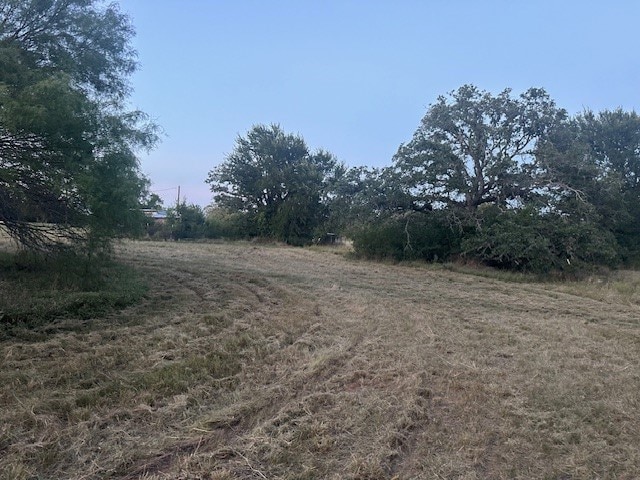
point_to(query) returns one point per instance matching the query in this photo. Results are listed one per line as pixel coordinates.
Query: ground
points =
(268, 362)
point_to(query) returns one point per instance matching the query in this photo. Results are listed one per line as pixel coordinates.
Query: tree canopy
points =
(68, 165)
(473, 148)
(519, 183)
(277, 182)
(511, 181)
(592, 162)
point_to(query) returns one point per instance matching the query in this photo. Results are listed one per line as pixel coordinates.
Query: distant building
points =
(158, 216)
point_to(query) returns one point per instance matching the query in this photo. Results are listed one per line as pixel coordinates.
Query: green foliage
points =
(525, 240)
(186, 221)
(361, 196)
(382, 240)
(297, 219)
(273, 179)
(90, 43)
(67, 144)
(588, 168)
(507, 181)
(614, 140)
(473, 148)
(531, 189)
(36, 290)
(432, 236)
(225, 223)
(151, 201)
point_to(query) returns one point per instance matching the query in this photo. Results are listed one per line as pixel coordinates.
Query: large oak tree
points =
(473, 148)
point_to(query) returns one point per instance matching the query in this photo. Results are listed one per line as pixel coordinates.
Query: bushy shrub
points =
(296, 220)
(224, 223)
(526, 240)
(380, 240)
(431, 236)
(187, 222)
(518, 239)
(158, 230)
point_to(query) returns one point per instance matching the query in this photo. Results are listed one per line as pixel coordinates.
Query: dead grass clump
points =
(367, 468)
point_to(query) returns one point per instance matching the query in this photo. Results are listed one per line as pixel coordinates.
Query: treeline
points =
(509, 181)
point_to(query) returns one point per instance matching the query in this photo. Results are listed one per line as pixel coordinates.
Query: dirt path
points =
(269, 362)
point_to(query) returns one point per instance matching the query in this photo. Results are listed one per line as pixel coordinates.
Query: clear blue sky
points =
(356, 76)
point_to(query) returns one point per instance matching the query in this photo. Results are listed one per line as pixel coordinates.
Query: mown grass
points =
(622, 286)
(37, 290)
(249, 361)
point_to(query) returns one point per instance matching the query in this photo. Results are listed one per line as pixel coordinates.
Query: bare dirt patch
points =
(250, 361)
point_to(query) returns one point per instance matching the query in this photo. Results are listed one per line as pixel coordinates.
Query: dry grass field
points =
(265, 362)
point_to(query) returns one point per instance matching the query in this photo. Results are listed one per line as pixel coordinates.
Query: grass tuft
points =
(38, 290)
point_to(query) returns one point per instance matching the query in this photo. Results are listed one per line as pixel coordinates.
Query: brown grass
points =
(270, 362)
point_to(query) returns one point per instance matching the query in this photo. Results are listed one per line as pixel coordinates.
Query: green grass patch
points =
(171, 379)
(38, 290)
(180, 376)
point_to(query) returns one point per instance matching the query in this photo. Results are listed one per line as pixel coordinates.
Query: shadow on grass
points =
(38, 291)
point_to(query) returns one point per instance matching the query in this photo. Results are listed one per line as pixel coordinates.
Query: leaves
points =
(272, 177)
(530, 188)
(526, 240)
(473, 148)
(89, 43)
(67, 148)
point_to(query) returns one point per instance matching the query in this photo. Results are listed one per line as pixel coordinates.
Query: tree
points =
(67, 144)
(362, 195)
(88, 43)
(473, 148)
(187, 221)
(151, 201)
(592, 169)
(614, 138)
(274, 179)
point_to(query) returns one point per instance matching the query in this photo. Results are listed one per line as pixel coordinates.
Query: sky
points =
(355, 77)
